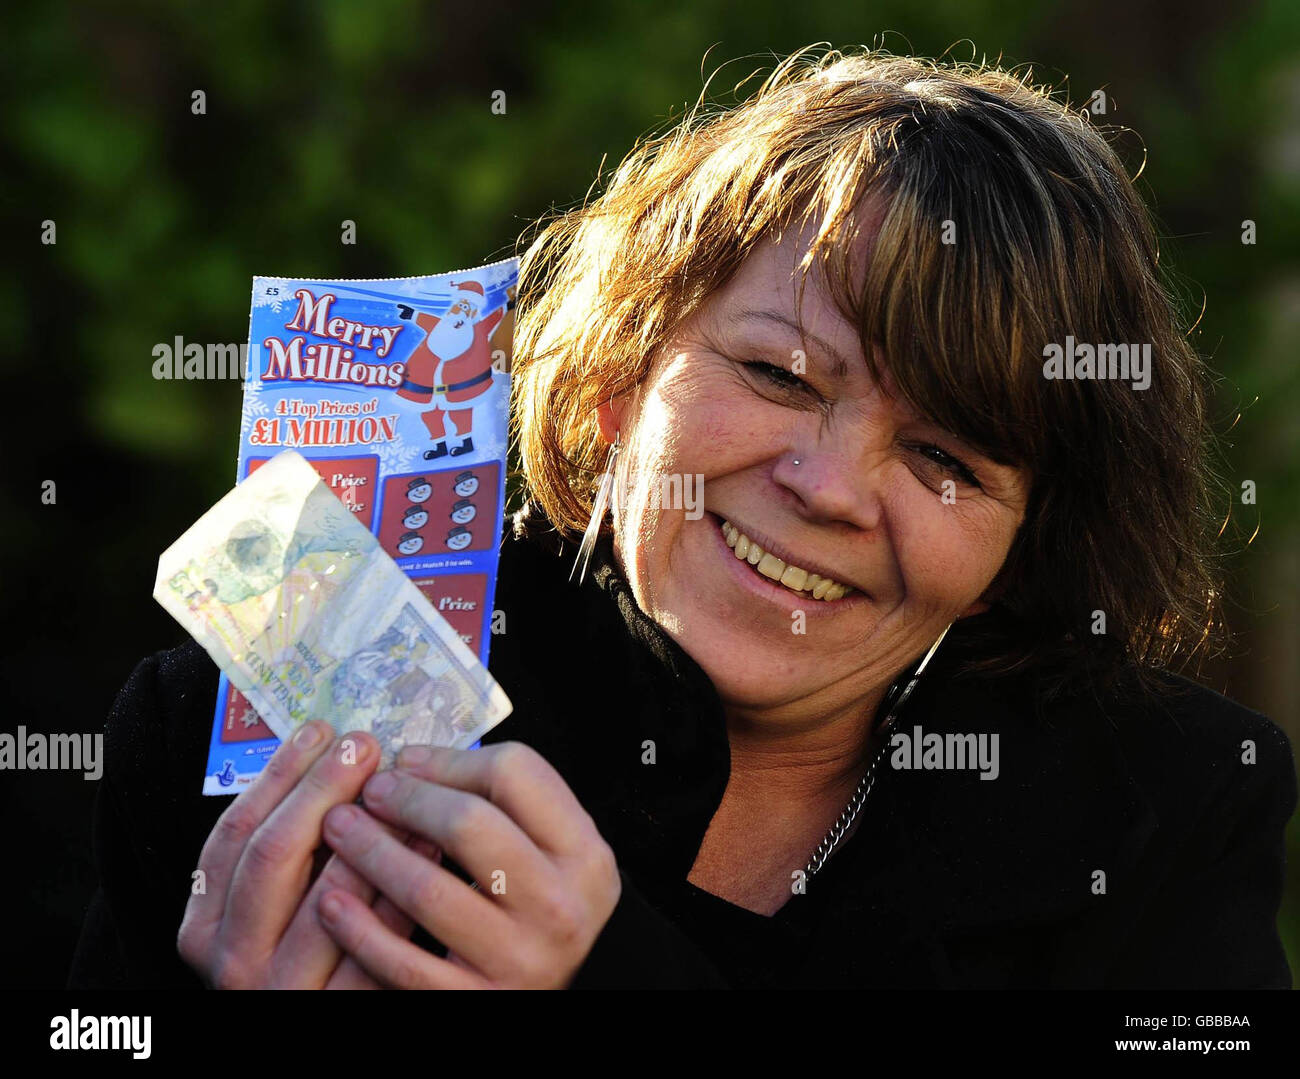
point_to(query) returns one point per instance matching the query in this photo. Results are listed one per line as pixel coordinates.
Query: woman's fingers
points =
(275, 866)
(225, 844)
(389, 912)
(306, 954)
(550, 882)
(349, 974)
(517, 779)
(490, 846)
(464, 920)
(385, 956)
(503, 813)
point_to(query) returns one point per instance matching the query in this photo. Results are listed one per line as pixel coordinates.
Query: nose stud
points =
(795, 462)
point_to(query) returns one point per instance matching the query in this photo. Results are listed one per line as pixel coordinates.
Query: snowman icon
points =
(410, 543)
(416, 516)
(459, 538)
(465, 484)
(419, 489)
(463, 512)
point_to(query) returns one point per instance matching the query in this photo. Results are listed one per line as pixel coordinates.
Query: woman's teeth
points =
(793, 577)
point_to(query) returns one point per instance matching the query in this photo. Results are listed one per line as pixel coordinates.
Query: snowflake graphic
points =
(396, 457)
(489, 446)
(254, 407)
(270, 292)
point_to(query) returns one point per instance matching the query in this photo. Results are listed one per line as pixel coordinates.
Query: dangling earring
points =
(895, 699)
(597, 512)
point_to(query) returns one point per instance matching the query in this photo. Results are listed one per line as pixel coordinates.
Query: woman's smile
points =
(774, 580)
(768, 561)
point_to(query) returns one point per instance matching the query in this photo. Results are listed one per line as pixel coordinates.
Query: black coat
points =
(948, 881)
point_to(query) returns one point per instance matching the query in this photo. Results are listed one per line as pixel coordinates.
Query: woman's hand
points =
(251, 925)
(549, 881)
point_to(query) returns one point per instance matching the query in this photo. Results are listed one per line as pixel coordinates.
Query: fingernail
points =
(353, 750)
(331, 906)
(381, 786)
(341, 818)
(415, 755)
(308, 735)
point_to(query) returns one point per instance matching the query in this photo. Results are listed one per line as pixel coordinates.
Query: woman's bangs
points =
(942, 322)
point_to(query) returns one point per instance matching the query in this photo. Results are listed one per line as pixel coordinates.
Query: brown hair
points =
(1051, 240)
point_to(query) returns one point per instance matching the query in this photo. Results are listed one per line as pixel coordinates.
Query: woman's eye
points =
(947, 462)
(777, 376)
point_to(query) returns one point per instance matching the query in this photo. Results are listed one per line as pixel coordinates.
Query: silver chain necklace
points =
(846, 818)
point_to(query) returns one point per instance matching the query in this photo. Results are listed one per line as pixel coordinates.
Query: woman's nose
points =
(829, 485)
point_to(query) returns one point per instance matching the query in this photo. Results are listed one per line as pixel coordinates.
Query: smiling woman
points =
(951, 222)
(822, 313)
(830, 304)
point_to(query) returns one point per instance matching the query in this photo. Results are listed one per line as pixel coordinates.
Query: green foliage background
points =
(379, 113)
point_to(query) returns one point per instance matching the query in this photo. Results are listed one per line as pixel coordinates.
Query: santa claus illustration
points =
(452, 366)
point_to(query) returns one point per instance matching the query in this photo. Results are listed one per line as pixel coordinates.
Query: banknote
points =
(295, 600)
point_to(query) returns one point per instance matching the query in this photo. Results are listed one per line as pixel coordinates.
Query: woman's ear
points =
(992, 595)
(610, 417)
(997, 589)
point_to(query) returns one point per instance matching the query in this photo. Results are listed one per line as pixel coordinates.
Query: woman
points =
(813, 342)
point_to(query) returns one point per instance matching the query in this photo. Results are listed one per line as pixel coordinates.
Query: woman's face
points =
(916, 523)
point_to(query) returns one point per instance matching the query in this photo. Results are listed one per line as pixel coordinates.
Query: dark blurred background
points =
(380, 113)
